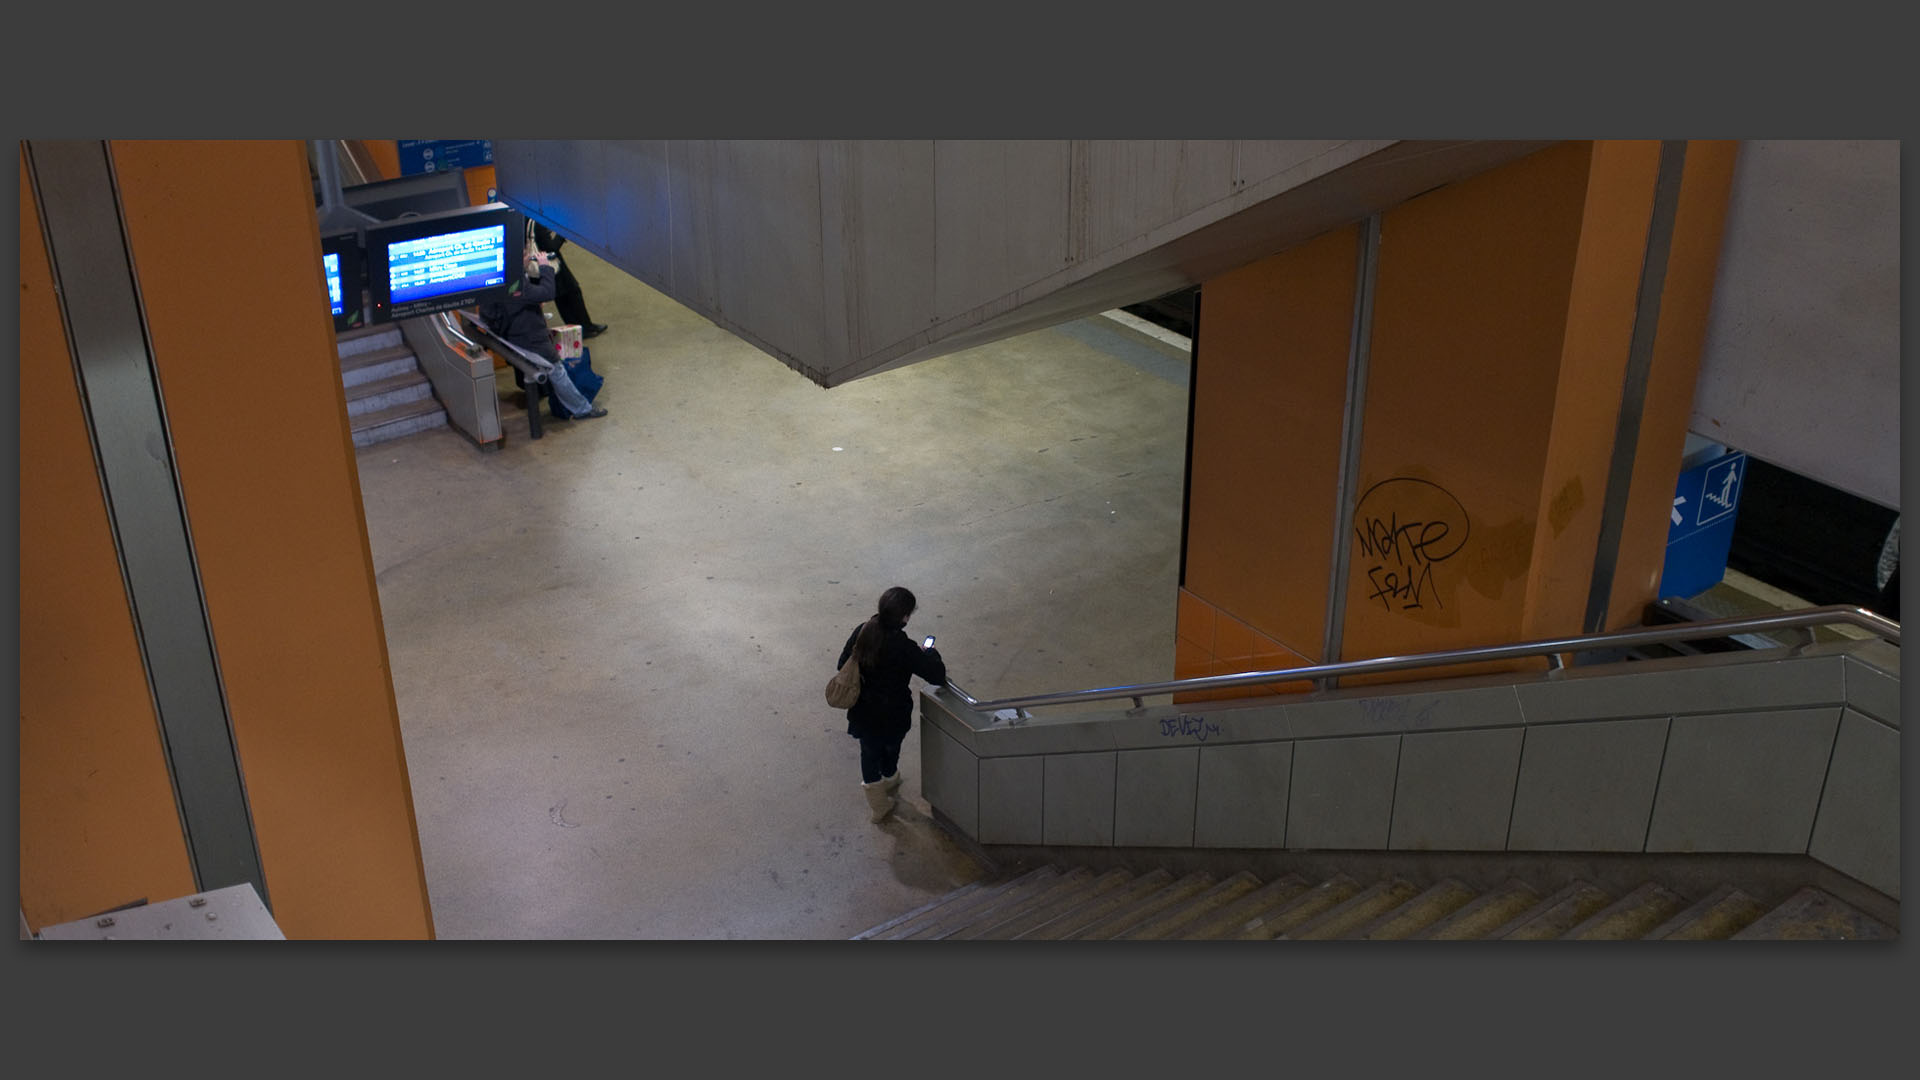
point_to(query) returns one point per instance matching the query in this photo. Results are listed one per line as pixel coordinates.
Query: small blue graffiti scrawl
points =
(1182, 726)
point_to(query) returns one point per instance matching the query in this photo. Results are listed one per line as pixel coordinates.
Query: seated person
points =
(568, 299)
(520, 319)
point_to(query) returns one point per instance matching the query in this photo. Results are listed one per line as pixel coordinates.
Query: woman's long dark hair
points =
(894, 607)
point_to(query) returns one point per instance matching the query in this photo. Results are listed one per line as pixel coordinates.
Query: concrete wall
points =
(1802, 358)
(844, 258)
(1774, 752)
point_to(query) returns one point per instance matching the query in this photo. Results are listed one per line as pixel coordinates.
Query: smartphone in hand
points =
(927, 643)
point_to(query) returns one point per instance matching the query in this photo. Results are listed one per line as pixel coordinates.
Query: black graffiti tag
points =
(1404, 528)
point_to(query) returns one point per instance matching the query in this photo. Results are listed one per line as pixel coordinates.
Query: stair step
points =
(1494, 909)
(1223, 922)
(1173, 922)
(1132, 915)
(1630, 917)
(367, 367)
(959, 904)
(1717, 916)
(1070, 884)
(370, 397)
(1308, 905)
(367, 339)
(938, 901)
(1086, 915)
(1555, 915)
(1028, 887)
(398, 421)
(1359, 910)
(1429, 907)
(1815, 915)
(1058, 907)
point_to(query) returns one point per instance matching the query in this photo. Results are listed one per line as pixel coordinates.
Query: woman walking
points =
(887, 659)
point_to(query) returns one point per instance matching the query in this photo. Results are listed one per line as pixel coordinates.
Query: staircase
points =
(388, 396)
(1053, 903)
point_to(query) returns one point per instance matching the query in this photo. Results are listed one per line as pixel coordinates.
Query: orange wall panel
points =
(1685, 302)
(1269, 398)
(1470, 308)
(1593, 367)
(247, 363)
(98, 823)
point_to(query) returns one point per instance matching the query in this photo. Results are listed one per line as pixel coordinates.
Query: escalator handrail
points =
(1879, 625)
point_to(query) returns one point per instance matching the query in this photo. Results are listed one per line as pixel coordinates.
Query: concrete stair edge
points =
(1007, 901)
(973, 899)
(1068, 923)
(1169, 923)
(1060, 908)
(1131, 915)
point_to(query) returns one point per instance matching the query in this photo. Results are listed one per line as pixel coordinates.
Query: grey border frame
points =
(1359, 349)
(106, 327)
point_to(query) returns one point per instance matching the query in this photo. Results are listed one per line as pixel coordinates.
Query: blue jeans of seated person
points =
(879, 758)
(567, 394)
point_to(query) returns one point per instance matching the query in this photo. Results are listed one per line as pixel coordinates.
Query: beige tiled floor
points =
(608, 645)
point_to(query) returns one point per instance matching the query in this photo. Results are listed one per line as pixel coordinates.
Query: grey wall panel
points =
(690, 183)
(1243, 795)
(1255, 160)
(516, 169)
(1803, 340)
(766, 250)
(1853, 832)
(639, 230)
(1137, 186)
(1010, 794)
(1742, 781)
(1342, 792)
(894, 215)
(1079, 799)
(1809, 680)
(1483, 707)
(1000, 212)
(1153, 803)
(1455, 790)
(950, 778)
(839, 289)
(1587, 786)
(574, 186)
(1872, 691)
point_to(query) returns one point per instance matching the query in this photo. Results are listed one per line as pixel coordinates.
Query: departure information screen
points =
(446, 263)
(333, 282)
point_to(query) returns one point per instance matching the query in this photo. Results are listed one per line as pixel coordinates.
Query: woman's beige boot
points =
(879, 799)
(890, 782)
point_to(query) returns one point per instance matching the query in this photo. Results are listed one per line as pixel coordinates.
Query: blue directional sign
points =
(1700, 526)
(438, 155)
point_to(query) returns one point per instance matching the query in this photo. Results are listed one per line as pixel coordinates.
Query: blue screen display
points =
(332, 263)
(446, 263)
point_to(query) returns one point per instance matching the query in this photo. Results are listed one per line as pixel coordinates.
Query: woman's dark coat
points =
(885, 708)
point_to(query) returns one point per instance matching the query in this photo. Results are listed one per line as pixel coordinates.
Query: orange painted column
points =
(1268, 390)
(1504, 309)
(246, 359)
(99, 827)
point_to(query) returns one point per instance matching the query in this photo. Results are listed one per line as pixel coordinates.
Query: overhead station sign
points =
(439, 155)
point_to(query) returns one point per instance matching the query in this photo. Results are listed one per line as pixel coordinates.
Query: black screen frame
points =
(380, 286)
(353, 278)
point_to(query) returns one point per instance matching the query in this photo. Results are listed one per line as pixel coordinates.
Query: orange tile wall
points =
(1503, 312)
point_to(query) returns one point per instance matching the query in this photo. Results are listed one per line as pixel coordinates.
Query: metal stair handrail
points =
(1807, 618)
